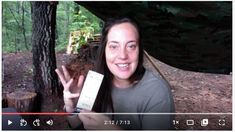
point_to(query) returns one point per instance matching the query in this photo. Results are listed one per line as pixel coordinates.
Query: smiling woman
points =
(130, 96)
(121, 53)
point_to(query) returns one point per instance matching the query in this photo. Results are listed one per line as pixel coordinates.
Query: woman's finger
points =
(69, 95)
(61, 76)
(68, 85)
(66, 73)
(84, 118)
(92, 115)
(80, 82)
(74, 95)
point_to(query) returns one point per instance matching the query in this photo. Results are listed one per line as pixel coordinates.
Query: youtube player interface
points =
(186, 44)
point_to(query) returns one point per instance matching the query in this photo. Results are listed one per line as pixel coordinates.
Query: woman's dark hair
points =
(104, 100)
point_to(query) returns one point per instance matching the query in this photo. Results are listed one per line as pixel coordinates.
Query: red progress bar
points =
(34, 113)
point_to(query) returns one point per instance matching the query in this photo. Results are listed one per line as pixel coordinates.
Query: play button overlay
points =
(12, 121)
(9, 122)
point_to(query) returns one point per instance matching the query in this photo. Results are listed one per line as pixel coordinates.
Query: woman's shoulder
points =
(153, 82)
(155, 92)
(151, 77)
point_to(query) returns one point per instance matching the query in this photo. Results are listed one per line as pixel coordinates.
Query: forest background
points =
(192, 91)
(17, 25)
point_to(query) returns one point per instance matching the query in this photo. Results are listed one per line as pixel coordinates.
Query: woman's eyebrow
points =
(132, 41)
(113, 41)
(116, 42)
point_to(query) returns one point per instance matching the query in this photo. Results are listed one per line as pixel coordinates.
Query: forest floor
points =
(194, 93)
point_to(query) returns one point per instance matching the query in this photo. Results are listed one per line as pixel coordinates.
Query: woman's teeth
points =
(122, 65)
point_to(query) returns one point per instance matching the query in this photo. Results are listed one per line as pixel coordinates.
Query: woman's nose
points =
(123, 54)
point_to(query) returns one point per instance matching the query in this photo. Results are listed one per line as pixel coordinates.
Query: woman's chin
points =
(123, 76)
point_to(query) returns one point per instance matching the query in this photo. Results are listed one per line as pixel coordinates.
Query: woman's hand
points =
(72, 88)
(95, 121)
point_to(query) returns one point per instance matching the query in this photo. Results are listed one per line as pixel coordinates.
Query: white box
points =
(89, 91)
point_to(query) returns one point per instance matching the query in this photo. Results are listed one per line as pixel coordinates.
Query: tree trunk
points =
(16, 48)
(67, 21)
(16, 37)
(22, 101)
(43, 47)
(23, 26)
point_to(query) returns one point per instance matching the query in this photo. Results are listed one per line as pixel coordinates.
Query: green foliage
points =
(13, 19)
(60, 47)
(9, 48)
(70, 17)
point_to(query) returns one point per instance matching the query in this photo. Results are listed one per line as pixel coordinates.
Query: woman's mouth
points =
(122, 65)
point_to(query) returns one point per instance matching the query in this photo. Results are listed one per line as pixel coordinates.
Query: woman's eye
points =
(113, 46)
(132, 46)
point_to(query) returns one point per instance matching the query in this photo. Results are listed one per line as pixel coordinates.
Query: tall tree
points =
(43, 47)
(19, 11)
(16, 40)
(67, 20)
(23, 24)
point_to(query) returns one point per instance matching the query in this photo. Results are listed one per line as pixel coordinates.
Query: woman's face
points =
(122, 51)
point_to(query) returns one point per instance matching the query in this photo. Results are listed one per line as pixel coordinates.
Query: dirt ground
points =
(199, 95)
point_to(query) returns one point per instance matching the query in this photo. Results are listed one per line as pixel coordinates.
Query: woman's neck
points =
(121, 83)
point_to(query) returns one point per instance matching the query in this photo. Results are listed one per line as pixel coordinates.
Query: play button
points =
(9, 122)
(12, 121)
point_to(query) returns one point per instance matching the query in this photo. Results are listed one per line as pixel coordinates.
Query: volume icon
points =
(49, 122)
